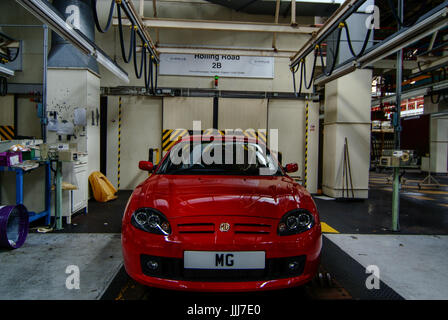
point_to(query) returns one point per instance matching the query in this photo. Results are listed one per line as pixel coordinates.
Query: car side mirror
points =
(291, 167)
(146, 166)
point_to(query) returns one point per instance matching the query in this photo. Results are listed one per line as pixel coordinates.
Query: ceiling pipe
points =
(293, 13)
(277, 12)
(154, 9)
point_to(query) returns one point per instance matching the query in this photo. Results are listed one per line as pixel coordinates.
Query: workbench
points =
(19, 190)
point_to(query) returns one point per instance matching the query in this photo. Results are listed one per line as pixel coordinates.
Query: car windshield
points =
(219, 158)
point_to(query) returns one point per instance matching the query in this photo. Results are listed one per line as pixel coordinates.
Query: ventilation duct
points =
(63, 54)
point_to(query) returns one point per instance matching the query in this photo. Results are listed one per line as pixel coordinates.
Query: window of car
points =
(219, 157)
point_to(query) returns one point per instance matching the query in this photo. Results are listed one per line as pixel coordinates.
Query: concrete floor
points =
(415, 266)
(36, 271)
(421, 211)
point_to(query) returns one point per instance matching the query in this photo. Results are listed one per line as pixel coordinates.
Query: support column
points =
(347, 115)
(438, 147)
(438, 134)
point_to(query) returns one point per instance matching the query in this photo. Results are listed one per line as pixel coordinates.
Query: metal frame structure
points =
(340, 15)
(429, 23)
(221, 26)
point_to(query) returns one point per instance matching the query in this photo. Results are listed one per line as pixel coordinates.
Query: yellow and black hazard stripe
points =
(170, 137)
(305, 180)
(212, 132)
(259, 135)
(7, 133)
(119, 143)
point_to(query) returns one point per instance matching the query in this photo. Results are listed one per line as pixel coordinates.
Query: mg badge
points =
(224, 227)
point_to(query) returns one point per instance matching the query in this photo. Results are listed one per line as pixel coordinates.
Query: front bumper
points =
(139, 247)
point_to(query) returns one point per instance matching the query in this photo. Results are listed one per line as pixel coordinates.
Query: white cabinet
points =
(80, 196)
(74, 200)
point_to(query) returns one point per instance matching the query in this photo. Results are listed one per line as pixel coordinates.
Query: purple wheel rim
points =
(21, 220)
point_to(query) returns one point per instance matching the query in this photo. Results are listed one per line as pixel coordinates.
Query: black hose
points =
(95, 16)
(147, 75)
(349, 41)
(333, 53)
(138, 74)
(157, 75)
(307, 86)
(15, 57)
(395, 14)
(151, 74)
(131, 46)
(294, 71)
(294, 81)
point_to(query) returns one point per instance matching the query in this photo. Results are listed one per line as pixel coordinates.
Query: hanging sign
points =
(223, 65)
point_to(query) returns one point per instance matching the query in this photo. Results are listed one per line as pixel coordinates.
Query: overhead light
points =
(5, 72)
(43, 11)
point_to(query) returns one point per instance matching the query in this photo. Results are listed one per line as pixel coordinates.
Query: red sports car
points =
(203, 225)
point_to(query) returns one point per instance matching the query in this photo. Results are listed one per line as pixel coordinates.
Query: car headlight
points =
(294, 222)
(151, 220)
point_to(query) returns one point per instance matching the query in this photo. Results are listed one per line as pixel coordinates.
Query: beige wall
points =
(288, 116)
(141, 129)
(242, 113)
(27, 121)
(7, 110)
(180, 112)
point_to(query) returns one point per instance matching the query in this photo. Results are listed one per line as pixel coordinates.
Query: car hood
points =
(188, 196)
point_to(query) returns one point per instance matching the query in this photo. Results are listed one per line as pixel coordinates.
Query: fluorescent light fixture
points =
(111, 66)
(43, 11)
(5, 72)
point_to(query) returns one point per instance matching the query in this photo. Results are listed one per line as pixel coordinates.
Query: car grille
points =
(196, 227)
(236, 228)
(173, 268)
(252, 228)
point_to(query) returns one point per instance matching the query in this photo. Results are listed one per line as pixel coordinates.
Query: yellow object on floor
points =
(102, 189)
(327, 229)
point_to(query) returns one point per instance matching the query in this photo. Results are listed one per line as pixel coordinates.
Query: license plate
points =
(224, 260)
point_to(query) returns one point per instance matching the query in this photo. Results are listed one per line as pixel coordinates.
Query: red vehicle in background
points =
(209, 226)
